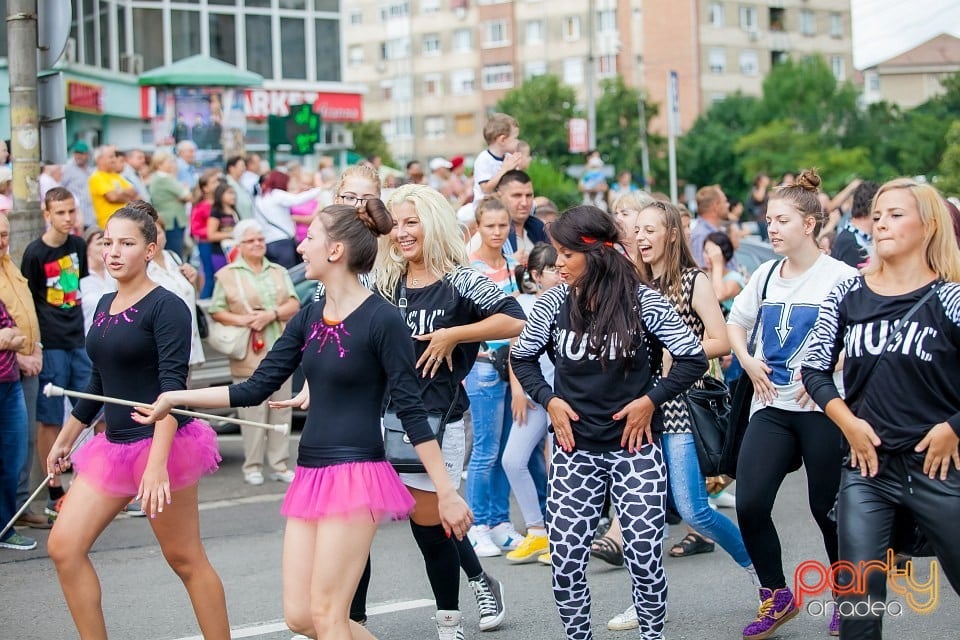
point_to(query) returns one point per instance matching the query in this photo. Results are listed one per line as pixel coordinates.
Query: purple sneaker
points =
(776, 607)
(835, 620)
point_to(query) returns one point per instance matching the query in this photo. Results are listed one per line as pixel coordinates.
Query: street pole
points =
(644, 150)
(26, 224)
(673, 124)
(591, 75)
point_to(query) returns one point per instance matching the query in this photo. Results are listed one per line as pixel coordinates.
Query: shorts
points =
(67, 369)
(454, 448)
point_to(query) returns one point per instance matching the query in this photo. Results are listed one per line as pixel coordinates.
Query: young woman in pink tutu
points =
(354, 349)
(139, 344)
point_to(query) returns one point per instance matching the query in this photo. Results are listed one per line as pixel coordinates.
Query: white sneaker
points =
(624, 621)
(254, 477)
(484, 547)
(724, 500)
(449, 625)
(505, 536)
(282, 476)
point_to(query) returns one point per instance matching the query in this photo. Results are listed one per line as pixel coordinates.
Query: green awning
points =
(199, 71)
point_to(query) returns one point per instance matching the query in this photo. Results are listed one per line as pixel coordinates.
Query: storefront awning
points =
(200, 71)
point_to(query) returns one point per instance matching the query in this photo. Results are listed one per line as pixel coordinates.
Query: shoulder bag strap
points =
(240, 290)
(900, 324)
(752, 342)
(262, 216)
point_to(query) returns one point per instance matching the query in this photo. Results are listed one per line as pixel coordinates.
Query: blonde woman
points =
(626, 207)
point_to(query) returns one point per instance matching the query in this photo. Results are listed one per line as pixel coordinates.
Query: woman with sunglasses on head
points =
(606, 333)
(900, 416)
(355, 349)
(784, 429)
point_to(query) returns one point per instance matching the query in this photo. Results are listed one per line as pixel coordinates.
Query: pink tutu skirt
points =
(343, 490)
(116, 468)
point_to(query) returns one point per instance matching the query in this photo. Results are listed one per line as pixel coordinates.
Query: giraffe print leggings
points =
(638, 485)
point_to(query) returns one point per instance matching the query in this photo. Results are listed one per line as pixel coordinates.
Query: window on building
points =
(777, 16)
(748, 18)
(258, 3)
(534, 32)
(573, 71)
(355, 54)
(395, 49)
(873, 81)
(433, 85)
(328, 55)
(607, 65)
(839, 67)
(223, 37)
(403, 127)
(717, 60)
(776, 57)
(403, 88)
(386, 90)
(498, 76)
(293, 4)
(430, 46)
(464, 124)
(356, 16)
(749, 63)
(325, 5)
(607, 21)
(429, 6)
(462, 81)
(185, 30)
(148, 37)
(571, 28)
(716, 14)
(836, 25)
(495, 33)
(293, 62)
(717, 97)
(535, 68)
(462, 41)
(259, 45)
(808, 22)
(434, 127)
(394, 10)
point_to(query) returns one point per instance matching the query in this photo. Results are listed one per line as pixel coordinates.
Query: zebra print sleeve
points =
(533, 341)
(949, 295)
(826, 343)
(485, 296)
(366, 279)
(666, 328)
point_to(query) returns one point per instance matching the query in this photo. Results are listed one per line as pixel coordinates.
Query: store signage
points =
(83, 96)
(332, 107)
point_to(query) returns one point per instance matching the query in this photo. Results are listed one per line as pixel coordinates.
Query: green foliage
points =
(542, 105)
(552, 183)
(368, 141)
(705, 155)
(618, 125)
(949, 178)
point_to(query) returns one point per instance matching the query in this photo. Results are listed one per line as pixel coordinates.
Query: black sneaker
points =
(489, 593)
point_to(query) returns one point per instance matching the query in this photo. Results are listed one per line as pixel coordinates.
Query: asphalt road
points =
(710, 598)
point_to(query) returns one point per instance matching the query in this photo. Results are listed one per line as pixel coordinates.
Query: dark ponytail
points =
(604, 299)
(358, 229)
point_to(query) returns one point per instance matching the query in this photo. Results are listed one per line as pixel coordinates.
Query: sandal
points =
(608, 550)
(691, 545)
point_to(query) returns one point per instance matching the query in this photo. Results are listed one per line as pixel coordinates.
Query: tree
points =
(618, 125)
(949, 178)
(542, 106)
(368, 141)
(550, 182)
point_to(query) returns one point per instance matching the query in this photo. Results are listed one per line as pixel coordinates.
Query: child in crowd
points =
(501, 155)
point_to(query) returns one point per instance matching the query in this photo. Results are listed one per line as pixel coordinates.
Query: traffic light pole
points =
(26, 223)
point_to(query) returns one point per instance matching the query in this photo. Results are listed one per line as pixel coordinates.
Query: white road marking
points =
(233, 502)
(276, 626)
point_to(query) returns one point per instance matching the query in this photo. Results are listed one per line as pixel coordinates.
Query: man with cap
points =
(76, 178)
(461, 187)
(440, 175)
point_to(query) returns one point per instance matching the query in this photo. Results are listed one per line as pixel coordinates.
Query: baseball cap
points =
(81, 147)
(456, 161)
(440, 163)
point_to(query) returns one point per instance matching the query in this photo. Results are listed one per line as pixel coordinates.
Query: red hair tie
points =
(589, 240)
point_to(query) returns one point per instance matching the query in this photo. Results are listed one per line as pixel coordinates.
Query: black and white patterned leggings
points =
(638, 485)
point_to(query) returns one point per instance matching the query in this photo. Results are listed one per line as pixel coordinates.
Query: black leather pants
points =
(865, 513)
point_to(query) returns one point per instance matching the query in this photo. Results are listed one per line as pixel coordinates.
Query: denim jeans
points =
(524, 447)
(13, 446)
(487, 490)
(31, 388)
(690, 496)
(205, 249)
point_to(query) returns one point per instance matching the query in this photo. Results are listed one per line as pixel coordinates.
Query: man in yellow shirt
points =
(109, 190)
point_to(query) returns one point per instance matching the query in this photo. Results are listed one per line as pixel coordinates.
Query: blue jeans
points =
(690, 496)
(205, 249)
(13, 446)
(487, 490)
(31, 389)
(68, 369)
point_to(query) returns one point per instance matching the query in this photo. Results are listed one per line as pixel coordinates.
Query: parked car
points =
(752, 253)
(215, 371)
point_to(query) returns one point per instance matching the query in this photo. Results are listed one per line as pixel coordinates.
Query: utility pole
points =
(26, 223)
(591, 78)
(644, 150)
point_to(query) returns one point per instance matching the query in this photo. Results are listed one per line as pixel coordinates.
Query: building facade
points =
(294, 44)
(435, 68)
(915, 76)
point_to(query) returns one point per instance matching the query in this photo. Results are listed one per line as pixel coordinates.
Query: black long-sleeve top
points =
(596, 393)
(137, 354)
(914, 386)
(350, 366)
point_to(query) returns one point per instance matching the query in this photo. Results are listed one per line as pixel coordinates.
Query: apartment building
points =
(914, 76)
(435, 68)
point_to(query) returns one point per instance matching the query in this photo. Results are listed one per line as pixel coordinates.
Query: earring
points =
(329, 258)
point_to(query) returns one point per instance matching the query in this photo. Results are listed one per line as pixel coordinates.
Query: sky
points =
(885, 28)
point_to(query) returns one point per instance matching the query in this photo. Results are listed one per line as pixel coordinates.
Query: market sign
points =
(83, 96)
(331, 107)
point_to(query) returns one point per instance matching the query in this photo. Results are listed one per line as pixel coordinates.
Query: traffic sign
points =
(53, 29)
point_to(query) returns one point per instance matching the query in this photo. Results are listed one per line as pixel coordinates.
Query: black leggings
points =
(773, 440)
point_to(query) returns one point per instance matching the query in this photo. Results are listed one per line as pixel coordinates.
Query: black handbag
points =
(398, 449)
(741, 398)
(500, 360)
(709, 407)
